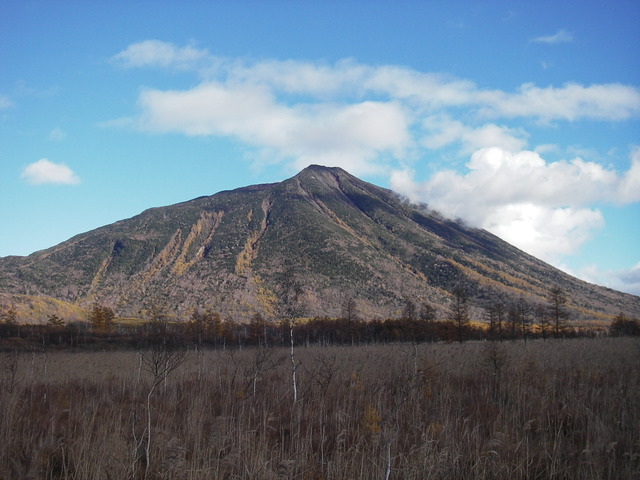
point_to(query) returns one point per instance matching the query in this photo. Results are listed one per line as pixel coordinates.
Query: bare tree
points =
(409, 311)
(264, 360)
(205, 324)
(160, 362)
(326, 368)
(494, 314)
(489, 315)
(459, 311)
(499, 311)
(258, 330)
(513, 320)
(494, 357)
(350, 314)
(294, 364)
(557, 300)
(427, 312)
(524, 316)
(291, 308)
(541, 316)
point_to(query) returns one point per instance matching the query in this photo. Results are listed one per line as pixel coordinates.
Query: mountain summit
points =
(323, 231)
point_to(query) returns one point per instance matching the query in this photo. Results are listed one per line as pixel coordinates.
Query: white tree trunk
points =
(293, 365)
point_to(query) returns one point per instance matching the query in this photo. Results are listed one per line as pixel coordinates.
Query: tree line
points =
(501, 320)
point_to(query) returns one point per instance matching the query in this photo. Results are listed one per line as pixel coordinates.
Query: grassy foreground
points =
(560, 409)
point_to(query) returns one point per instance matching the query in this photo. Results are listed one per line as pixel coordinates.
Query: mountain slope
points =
(323, 230)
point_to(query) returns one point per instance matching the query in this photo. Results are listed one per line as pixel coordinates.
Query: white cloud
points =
(571, 102)
(626, 280)
(351, 135)
(424, 90)
(292, 76)
(424, 93)
(545, 232)
(502, 177)
(436, 91)
(43, 171)
(546, 148)
(629, 187)
(402, 182)
(561, 36)
(444, 131)
(349, 114)
(541, 207)
(376, 118)
(630, 279)
(161, 54)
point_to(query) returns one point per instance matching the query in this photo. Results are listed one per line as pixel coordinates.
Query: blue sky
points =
(519, 117)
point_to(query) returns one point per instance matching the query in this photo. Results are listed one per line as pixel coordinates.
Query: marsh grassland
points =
(555, 409)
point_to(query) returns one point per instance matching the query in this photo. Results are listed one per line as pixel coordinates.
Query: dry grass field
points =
(555, 409)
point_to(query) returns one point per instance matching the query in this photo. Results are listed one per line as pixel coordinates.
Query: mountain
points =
(323, 233)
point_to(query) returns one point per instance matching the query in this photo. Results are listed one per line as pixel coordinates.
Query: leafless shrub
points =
(160, 361)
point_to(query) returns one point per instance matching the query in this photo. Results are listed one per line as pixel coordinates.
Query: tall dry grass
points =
(562, 409)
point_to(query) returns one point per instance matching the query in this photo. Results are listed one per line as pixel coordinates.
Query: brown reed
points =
(560, 409)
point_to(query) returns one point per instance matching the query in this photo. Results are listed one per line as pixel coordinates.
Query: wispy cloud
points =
(347, 112)
(443, 131)
(161, 54)
(380, 118)
(5, 102)
(46, 172)
(561, 36)
(630, 279)
(57, 134)
(347, 80)
(626, 280)
(571, 102)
